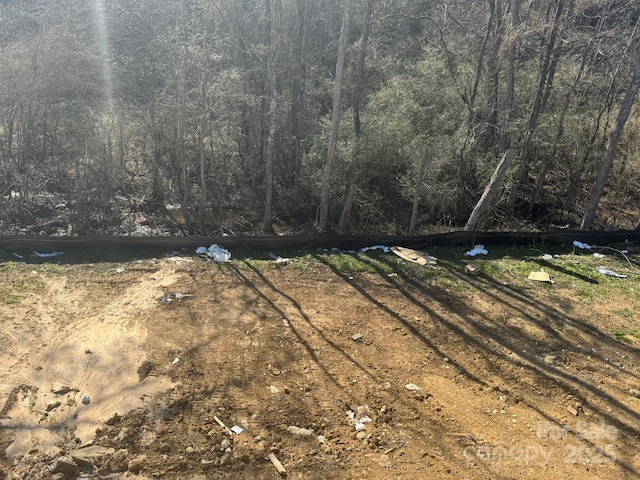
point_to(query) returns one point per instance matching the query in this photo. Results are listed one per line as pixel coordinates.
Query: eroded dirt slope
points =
(453, 376)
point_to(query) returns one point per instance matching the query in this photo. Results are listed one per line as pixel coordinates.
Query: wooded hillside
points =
(353, 116)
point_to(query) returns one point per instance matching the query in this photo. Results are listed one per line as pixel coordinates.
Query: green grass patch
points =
(624, 335)
(28, 285)
(10, 299)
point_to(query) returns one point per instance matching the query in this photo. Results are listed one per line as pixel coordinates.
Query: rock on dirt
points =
(60, 388)
(137, 463)
(65, 465)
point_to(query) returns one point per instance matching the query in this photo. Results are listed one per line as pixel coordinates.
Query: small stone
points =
(299, 431)
(635, 392)
(361, 435)
(164, 448)
(123, 434)
(52, 405)
(86, 456)
(118, 462)
(113, 420)
(412, 387)
(572, 410)
(357, 336)
(60, 389)
(65, 465)
(225, 460)
(549, 359)
(137, 463)
(190, 450)
(144, 370)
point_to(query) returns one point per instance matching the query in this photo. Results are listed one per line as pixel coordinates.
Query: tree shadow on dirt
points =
(477, 330)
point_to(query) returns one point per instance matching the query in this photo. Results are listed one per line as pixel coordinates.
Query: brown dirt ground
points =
(498, 371)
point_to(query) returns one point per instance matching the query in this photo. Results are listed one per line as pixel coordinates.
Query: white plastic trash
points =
(477, 250)
(215, 252)
(384, 248)
(85, 399)
(47, 255)
(610, 273)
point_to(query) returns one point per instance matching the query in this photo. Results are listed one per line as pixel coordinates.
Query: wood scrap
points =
(276, 463)
(471, 269)
(415, 256)
(219, 422)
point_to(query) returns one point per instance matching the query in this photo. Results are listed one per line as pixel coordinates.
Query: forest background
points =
(356, 116)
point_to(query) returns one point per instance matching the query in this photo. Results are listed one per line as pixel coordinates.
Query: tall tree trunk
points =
(417, 194)
(297, 93)
(335, 117)
(493, 81)
(490, 191)
(274, 6)
(545, 81)
(182, 106)
(511, 74)
(576, 174)
(607, 161)
(204, 115)
(343, 225)
(548, 163)
(465, 163)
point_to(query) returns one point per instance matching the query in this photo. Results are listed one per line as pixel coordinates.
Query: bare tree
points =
(511, 74)
(417, 194)
(491, 191)
(343, 225)
(545, 81)
(274, 8)
(610, 151)
(335, 116)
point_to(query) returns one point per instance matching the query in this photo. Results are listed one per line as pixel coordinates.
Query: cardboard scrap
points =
(540, 276)
(415, 256)
(471, 269)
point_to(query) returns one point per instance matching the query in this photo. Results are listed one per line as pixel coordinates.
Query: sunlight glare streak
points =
(105, 54)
